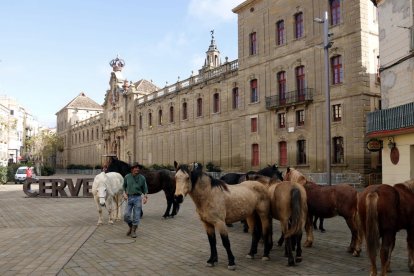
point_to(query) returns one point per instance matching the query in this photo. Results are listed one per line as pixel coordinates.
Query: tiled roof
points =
(145, 87)
(83, 102)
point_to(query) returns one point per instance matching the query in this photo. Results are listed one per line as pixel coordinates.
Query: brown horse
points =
(289, 206)
(327, 202)
(383, 211)
(218, 203)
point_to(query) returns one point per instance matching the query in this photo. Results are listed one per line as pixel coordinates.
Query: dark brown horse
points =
(218, 203)
(383, 211)
(269, 171)
(157, 180)
(327, 202)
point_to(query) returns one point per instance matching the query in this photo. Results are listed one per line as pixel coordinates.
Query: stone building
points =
(393, 124)
(266, 107)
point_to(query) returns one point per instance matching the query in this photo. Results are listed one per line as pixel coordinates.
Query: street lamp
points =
(326, 45)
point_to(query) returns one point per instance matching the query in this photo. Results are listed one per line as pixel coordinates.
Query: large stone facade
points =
(236, 114)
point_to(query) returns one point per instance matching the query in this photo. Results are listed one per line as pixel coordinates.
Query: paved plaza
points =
(59, 236)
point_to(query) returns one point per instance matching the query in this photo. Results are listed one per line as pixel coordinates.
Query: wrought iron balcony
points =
(398, 117)
(290, 98)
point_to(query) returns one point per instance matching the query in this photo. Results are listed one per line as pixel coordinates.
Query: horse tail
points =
(372, 234)
(296, 217)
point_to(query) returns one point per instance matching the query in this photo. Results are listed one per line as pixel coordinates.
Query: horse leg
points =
(298, 241)
(255, 231)
(170, 200)
(99, 208)
(281, 240)
(266, 232)
(315, 220)
(355, 245)
(321, 225)
(109, 204)
(212, 241)
(388, 242)
(176, 208)
(221, 226)
(309, 231)
(288, 251)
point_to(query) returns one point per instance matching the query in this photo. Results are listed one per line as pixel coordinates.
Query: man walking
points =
(135, 193)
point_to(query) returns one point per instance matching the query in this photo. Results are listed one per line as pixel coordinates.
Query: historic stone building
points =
(266, 107)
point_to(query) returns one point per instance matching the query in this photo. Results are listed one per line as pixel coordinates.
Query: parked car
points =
(24, 172)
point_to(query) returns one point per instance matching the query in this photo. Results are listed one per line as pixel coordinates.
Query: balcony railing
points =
(289, 98)
(391, 119)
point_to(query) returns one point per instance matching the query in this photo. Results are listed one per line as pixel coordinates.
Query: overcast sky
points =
(53, 50)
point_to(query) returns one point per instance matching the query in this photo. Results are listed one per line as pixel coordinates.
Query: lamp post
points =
(326, 45)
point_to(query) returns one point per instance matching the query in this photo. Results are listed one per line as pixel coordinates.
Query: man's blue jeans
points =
(133, 210)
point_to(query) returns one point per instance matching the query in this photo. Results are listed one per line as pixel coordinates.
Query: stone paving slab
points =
(59, 236)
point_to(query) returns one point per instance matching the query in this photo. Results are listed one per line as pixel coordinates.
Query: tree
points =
(44, 146)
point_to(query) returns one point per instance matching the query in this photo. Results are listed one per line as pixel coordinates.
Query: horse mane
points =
(271, 171)
(197, 172)
(296, 176)
(409, 184)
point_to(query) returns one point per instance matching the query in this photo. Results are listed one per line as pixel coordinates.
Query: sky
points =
(51, 51)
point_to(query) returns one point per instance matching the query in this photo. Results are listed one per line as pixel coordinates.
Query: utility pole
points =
(326, 45)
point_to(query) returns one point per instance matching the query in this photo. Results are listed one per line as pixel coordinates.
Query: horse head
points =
(271, 171)
(100, 188)
(185, 177)
(294, 175)
(119, 166)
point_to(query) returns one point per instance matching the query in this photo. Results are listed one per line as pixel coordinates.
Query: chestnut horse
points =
(383, 211)
(218, 204)
(157, 180)
(288, 204)
(327, 202)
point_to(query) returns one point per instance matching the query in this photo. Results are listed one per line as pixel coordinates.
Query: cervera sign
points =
(48, 187)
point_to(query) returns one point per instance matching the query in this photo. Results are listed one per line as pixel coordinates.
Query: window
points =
(338, 150)
(185, 111)
(280, 32)
(160, 117)
(252, 42)
(282, 120)
(300, 117)
(140, 122)
(216, 103)
(97, 133)
(299, 25)
(335, 8)
(337, 112)
(283, 153)
(336, 67)
(11, 112)
(300, 82)
(171, 114)
(281, 87)
(253, 124)
(253, 91)
(235, 98)
(150, 120)
(301, 158)
(199, 107)
(255, 155)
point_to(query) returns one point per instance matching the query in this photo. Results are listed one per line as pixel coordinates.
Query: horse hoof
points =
(308, 244)
(248, 256)
(231, 267)
(210, 264)
(322, 230)
(356, 253)
(99, 224)
(265, 258)
(298, 259)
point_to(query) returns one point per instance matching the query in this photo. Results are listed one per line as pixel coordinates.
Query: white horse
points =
(107, 192)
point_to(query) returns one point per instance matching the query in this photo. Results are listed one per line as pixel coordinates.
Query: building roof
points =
(144, 86)
(82, 102)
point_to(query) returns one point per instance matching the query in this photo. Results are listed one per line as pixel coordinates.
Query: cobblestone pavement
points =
(59, 236)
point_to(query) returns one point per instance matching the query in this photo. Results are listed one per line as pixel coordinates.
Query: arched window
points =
(254, 94)
(335, 9)
(255, 155)
(280, 32)
(336, 68)
(216, 103)
(252, 43)
(299, 25)
(235, 98)
(301, 151)
(150, 120)
(160, 117)
(171, 114)
(185, 111)
(199, 107)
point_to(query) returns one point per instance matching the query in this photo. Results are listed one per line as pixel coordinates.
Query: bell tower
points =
(213, 55)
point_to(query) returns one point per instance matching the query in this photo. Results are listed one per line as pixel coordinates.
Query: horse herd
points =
(375, 214)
